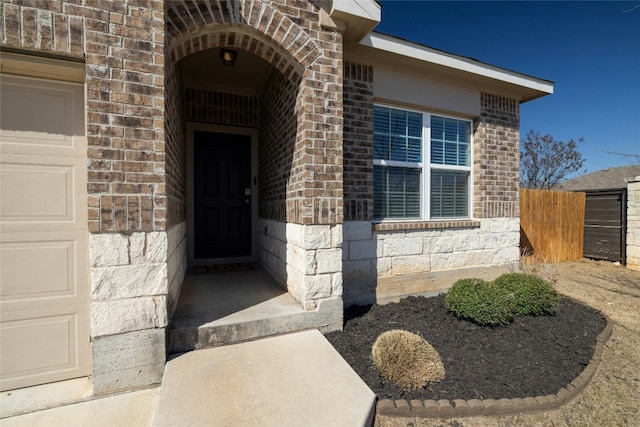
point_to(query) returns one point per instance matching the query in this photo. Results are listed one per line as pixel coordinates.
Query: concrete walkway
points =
(128, 409)
(288, 380)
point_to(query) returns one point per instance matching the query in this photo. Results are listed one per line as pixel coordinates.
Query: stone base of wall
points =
(314, 270)
(272, 249)
(176, 263)
(392, 289)
(633, 223)
(128, 361)
(306, 259)
(379, 266)
(129, 306)
(128, 282)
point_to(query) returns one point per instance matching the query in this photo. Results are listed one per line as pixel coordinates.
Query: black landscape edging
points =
(466, 408)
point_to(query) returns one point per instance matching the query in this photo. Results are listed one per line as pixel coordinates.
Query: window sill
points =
(425, 225)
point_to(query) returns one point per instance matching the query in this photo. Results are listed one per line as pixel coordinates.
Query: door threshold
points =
(221, 261)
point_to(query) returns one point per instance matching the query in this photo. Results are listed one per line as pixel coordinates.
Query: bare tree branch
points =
(545, 161)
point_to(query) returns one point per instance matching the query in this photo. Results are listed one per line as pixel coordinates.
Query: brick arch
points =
(249, 25)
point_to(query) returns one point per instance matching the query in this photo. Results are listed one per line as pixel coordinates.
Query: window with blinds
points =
(422, 165)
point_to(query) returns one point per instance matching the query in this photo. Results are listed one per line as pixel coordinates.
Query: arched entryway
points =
(269, 130)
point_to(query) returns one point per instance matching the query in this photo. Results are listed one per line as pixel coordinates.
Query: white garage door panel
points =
(42, 193)
(54, 276)
(50, 198)
(40, 348)
(44, 260)
(37, 117)
(27, 103)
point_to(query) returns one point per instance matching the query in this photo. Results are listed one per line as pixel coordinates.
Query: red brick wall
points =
(497, 158)
(288, 35)
(276, 136)
(123, 45)
(208, 106)
(358, 142)
(175, 145)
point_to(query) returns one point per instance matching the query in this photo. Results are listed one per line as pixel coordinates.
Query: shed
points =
(605, 221)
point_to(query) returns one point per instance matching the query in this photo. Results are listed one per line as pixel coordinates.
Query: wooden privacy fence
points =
(551, 225)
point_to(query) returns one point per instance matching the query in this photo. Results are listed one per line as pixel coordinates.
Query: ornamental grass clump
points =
(481, 302)
(533, 295)
(406, 359)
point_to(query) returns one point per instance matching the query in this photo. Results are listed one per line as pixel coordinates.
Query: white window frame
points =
(426, 167)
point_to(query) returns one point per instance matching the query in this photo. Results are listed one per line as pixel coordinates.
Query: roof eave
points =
(354, 18)
(527, 87)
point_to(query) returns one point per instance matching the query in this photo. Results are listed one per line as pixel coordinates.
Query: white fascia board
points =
(359, 16)
(423, 53)
(367, 9)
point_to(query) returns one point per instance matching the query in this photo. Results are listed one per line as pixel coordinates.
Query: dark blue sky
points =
(591, 50)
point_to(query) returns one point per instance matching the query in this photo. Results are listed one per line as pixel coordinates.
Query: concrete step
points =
(290, 380)
(278, 315)
(230, 307)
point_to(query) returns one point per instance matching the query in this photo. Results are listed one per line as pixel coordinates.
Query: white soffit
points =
(359, 16)
(426, 54)
(367, 9)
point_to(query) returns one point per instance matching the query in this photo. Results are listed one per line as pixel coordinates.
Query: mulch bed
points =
(533, 356)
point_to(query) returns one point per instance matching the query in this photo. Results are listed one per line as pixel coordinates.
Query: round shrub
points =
(533, 295)
(481, 302)
(406, 359)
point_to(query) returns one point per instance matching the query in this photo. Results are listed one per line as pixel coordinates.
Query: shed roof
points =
(604, 179)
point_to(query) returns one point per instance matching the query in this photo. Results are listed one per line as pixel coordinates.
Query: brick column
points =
(496, 160)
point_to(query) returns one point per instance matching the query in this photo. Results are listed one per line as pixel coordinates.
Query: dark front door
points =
(222, 194)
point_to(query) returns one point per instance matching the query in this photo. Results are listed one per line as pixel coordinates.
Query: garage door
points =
(44, 306)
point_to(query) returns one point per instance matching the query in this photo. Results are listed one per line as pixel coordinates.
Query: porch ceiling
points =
(205, 70)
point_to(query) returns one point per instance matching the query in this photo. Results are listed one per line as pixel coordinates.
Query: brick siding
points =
(496, 160)
(123, 45)
(307, 56)
(496, 151)
(208, 106)
(277, 137)
(123, 48)
(176, 170)
(358, 142)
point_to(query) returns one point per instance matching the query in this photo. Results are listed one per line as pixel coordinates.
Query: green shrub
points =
(533, 295)
(481, 302)
(496, 303)
(406, 359)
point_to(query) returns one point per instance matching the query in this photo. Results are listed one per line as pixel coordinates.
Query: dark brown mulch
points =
(534, 356)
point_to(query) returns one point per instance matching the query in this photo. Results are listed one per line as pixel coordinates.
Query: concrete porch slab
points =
(289, 380)
(226, 308)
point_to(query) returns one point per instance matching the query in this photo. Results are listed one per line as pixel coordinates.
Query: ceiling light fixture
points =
(228, 57)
